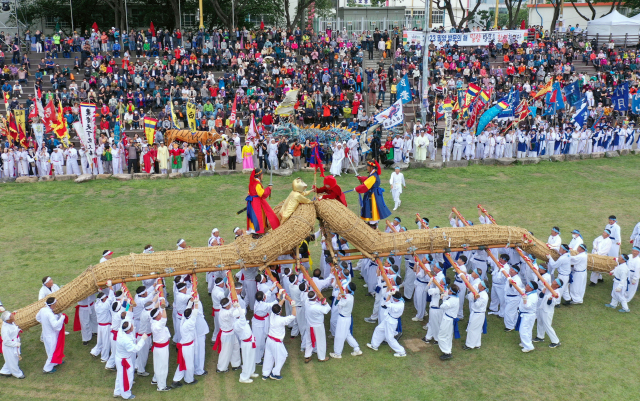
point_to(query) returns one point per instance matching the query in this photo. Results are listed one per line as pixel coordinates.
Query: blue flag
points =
(573, 94)
(490, 114)
(404, 90)
(580, 117)
(635, 104)
(620, 98)
(513, 99)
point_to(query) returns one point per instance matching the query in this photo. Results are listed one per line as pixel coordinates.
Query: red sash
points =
(76, 319)
(159, 345)
(258, 317)
(218, 345)
(213, 311)
(0, 345)
(125, 376)
(181, 362)
(104, 324)
(115, 334)
(274, 339)
(58, 354)
(253, 341)
(313, 337)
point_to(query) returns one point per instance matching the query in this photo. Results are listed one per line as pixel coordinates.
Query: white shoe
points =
(371, 346)
(399, 355)
(246, 381)
(254, 375)
(356, 352)
(425, 327)
(527, 350)
(521, 345)
(336, 356)
(66, 333)
(399, 202)
(416, 319)
(364, 285)
(395, 208)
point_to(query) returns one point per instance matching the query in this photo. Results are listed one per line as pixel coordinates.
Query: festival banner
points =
(38, 131)
(581, 114)
(448, 122)
(286, 107)
(38, 101)
(482, 38)
(392, 116)
(513, 99)
(544, 90)
(620, 98)
(234, 113)
(20, 119)
(150, 129)
(403, 90)
(77, 125)
(635, 104)
(88, 119)
(252, 130)
(191, 116)
(472, 93)
(174, 120)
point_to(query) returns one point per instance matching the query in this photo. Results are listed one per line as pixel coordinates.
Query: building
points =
(541, 13)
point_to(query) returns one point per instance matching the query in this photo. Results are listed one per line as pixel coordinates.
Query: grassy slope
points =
(60, 228)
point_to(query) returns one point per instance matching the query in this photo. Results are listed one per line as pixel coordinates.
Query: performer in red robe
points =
(259, 213)
(149, 159)
(332, 190)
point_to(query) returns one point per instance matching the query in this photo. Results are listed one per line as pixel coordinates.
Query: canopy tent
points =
(614, 24)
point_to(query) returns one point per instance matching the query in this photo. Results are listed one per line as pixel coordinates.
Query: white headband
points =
(180, 242)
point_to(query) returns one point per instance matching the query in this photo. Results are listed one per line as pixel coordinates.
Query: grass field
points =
(60, 228)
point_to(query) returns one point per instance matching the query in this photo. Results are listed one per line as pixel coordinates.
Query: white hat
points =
(215, 230)
(6, 315)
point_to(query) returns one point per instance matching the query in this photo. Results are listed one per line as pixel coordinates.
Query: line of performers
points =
(541, 140)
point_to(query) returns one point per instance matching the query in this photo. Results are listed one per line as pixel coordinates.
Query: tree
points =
(513, 12)
(448, 6)
(59, 10)
(592, 9)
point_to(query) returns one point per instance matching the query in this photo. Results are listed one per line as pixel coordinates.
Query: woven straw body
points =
(246, 250)
(342, 221)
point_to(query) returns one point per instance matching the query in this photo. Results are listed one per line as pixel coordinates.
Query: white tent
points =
(636, 18)
(614, 24)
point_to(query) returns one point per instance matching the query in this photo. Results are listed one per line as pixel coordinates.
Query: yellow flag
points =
(20, 119)
(174, 120)
(191, 116)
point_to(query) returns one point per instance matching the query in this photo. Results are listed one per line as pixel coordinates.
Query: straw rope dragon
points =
(249, 252)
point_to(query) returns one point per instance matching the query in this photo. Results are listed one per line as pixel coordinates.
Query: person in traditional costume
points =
(176, 158)
(332, 190)
(52, 334)
(259, 213)
(247, 156)
(372, 207)
(150, 159)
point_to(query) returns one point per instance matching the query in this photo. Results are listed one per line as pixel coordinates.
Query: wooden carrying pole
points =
(537, 273)
(334, 267)
(391, 227)
(464, 276)
(232, 286)
(268, 273)
(457, 213)
(312, 283)
(484, 211)
(497, 262)
(426, 227)
(384, 274)
(428, 272)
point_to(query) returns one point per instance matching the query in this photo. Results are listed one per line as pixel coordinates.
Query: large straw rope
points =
(246, 250)
(345, 223)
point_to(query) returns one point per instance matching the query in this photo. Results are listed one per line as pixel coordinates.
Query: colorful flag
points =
(472, 92)
(286, 107)
(174, 119)
(13, 128)
(573, 94)
(152, 29)
(513, 98)
(551, 103)
(490, 114)
(544, 90)
(392, 116)
(252, 131)
(439, 111)
(581, 114)
(150, 129)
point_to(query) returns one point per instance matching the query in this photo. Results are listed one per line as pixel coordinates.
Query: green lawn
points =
(60, 228)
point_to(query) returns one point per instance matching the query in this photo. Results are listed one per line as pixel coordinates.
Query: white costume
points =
(11, 350)
(477, 311)
(126, 348)
(314, 312)
(275, 354)
(528, 307)
(51, 325)
(397, 183)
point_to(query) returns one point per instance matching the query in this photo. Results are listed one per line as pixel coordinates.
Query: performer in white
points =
(161, 339)
(397, 183)
(51, 323)
(275, 354)
(103, 317)
(478, 310)
(126, 348)
(353, 144)
(421, 143)
(387, 328)
(57, 160)
(247, 344)
(72, 161)
(336, 161)
(10, 346)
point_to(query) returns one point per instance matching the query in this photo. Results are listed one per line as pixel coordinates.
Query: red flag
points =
(95, 27)
(34, 112)
(152, 29)
(523, 25)
(232, 116)
(261, 25)
(553, 99)
(13, 127)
